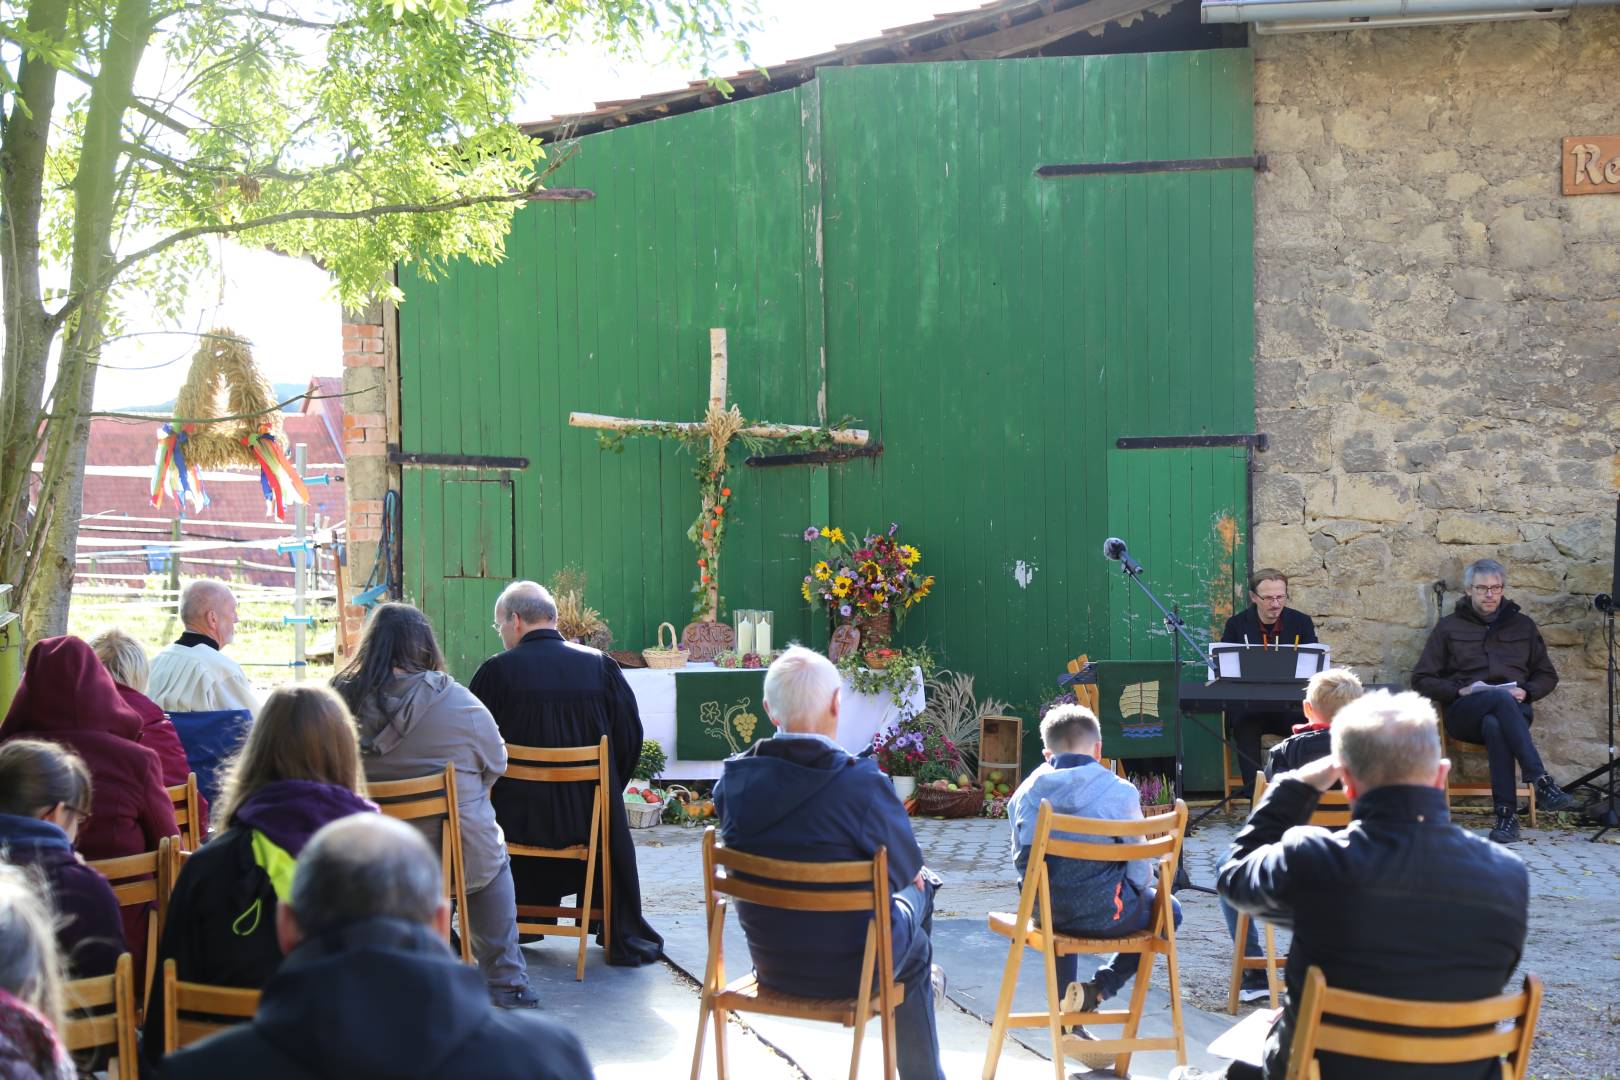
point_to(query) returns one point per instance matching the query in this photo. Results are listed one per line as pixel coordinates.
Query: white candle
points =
(762, 637)
(745, 635)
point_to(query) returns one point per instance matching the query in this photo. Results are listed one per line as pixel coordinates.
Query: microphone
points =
(1114, 548)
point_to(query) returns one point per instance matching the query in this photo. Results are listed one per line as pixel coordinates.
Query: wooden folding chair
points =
(570, 765)
(857, 886)
(1458, 784)
(1161, 836)
(194, 1011)
(1499, 1027)
(1332, 812)
(101, 1013)
(186, 815)
(433, 796)
(147, 878)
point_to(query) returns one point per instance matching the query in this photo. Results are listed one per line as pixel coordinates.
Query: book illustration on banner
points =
(1137, 703)
(721, 723)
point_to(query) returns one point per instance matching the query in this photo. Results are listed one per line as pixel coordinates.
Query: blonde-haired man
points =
(1402, 903)
(1326, 693)
(800, 795)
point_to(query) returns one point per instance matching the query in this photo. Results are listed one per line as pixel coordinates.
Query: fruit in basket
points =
(633, 797)
(652, 796)
(964, 780)
(995, 778)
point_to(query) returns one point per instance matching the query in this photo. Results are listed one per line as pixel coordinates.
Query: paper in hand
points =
(1245, 1040)
(1476, 687)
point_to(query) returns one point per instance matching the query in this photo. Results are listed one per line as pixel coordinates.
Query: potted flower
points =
(872, 582)
(913, 747)
(1156, 792)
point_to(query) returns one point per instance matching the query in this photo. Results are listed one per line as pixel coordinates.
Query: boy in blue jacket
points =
(1089, 899)
(801, 796)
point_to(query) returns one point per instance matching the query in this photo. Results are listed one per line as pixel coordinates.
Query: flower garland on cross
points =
(710, 439)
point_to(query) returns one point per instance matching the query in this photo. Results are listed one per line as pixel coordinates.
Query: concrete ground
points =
(642, 1022)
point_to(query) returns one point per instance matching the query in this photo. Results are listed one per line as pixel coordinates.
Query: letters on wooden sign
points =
(1592, 164)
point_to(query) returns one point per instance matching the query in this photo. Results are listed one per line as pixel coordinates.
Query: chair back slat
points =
(1095, 852)
(795, 899)
(552, 775)
(549, 755)
(1157, 825)
(397, 790)
(415, 809)
(1415, 1049)
(787, 870)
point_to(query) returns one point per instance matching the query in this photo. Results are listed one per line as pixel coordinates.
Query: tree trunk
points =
(48, 574)
(28, 330)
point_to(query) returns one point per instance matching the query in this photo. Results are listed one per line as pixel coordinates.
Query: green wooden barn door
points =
(1184, 514)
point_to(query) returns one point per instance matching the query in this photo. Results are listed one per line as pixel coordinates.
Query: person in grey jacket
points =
(414, 719)
(1089, 899)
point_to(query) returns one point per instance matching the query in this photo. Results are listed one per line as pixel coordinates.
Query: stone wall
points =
(1438, 338)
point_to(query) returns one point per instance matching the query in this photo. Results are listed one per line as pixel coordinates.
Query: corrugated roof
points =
(997, 30)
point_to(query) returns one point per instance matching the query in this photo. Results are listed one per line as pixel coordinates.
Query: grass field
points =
(263, 644)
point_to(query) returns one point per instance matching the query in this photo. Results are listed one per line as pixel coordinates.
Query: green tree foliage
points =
(362, 134)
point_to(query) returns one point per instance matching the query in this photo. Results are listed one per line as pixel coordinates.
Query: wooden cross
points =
(718, 409)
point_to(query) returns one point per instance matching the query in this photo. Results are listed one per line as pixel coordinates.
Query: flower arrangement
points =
(894, 679)
(876, 576)
(913, 746)
(652, 763)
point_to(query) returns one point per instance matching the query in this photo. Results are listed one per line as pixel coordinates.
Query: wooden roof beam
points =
(1039, 32)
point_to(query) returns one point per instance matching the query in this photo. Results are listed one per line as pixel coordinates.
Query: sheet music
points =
(1227, 664)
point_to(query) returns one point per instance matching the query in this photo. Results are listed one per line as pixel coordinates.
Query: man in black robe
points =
(547, 692)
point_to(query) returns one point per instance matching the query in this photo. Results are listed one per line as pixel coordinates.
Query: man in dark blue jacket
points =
(1400, 903)
(801, 796)
(370, 988)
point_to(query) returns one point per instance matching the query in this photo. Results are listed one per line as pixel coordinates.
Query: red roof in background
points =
(132, 445)
(327, 403)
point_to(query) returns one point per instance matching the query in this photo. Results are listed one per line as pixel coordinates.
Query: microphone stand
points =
(1178, 630)
(1602, 811)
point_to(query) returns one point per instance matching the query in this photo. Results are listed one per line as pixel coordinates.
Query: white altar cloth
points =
(860, 716)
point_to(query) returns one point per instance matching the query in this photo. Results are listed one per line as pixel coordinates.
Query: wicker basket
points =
(878, 659)
(933, 802)
(644, 815)
(661, 658)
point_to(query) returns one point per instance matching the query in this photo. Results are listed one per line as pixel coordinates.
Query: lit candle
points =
(745, 634)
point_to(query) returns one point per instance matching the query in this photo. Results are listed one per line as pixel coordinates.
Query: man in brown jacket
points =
(1484, 664)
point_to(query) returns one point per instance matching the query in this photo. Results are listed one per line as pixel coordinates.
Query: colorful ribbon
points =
(279, 481)
(172, 475)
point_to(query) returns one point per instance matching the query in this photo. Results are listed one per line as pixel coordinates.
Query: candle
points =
(745, 634)
(762, 636)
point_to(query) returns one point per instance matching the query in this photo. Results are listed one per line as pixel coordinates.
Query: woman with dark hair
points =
(67, 697)
(44, 798)
(414, 719)
(298, 770)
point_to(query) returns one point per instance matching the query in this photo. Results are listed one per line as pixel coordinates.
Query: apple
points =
(995, 778)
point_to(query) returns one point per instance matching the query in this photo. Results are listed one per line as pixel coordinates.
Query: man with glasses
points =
(1484, 664)
(1268, 620)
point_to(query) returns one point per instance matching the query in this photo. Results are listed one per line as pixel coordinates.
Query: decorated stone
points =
(846, 640)
(706, 640)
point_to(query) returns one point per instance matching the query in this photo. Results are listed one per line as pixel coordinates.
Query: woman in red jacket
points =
(67, 697)
(126, 662)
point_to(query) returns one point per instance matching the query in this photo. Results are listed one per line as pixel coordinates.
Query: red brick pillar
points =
(369, 358)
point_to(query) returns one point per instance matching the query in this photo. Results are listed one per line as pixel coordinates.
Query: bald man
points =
(548, 692)
(193, 674)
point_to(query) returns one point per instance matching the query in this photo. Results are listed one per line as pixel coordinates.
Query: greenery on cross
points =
(360, 134)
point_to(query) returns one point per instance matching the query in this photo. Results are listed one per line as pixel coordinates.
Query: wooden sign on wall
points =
(1591, 164)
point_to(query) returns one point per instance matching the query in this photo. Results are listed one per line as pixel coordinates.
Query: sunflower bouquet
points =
(874, 576)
